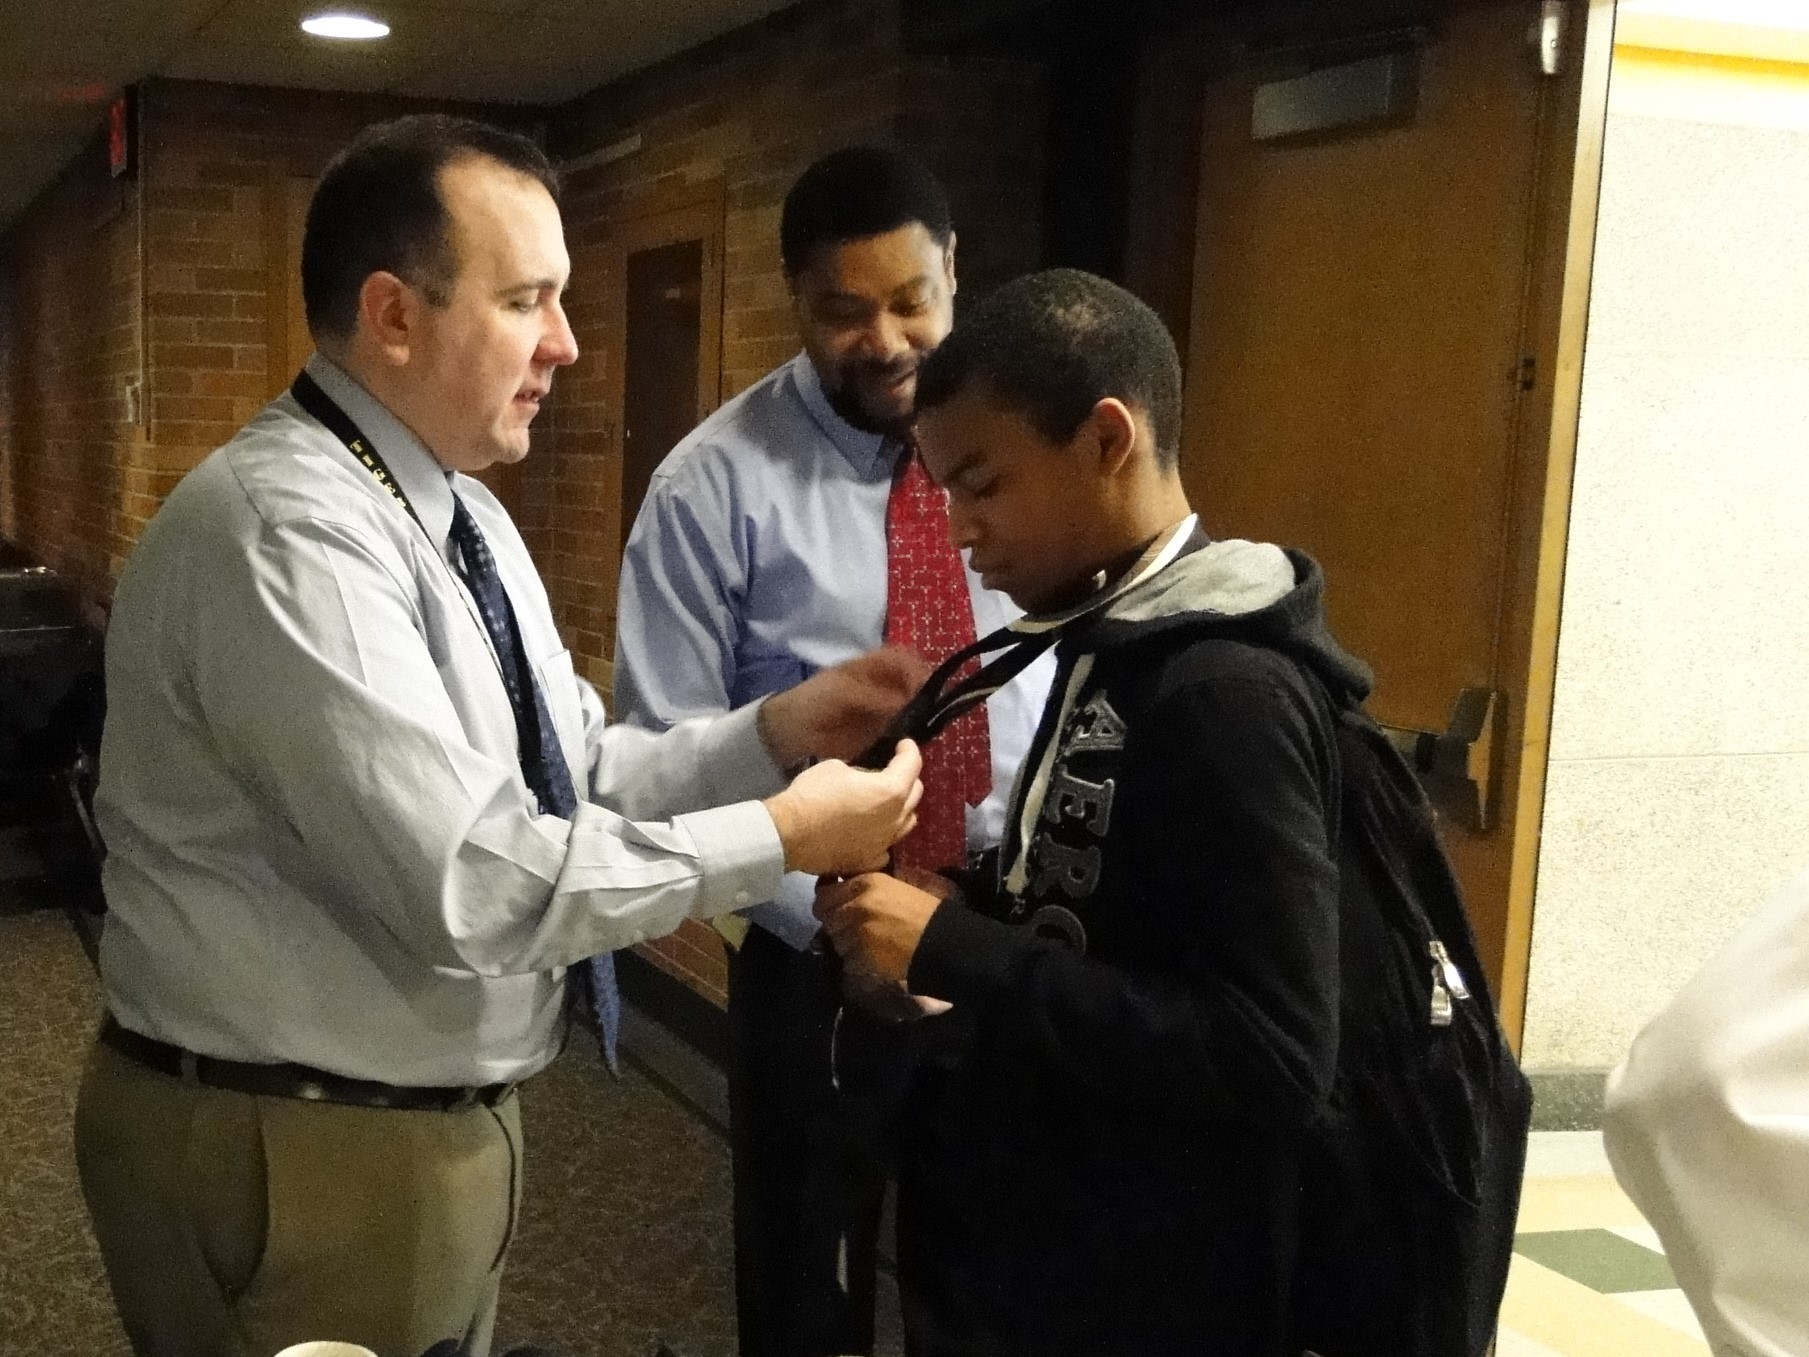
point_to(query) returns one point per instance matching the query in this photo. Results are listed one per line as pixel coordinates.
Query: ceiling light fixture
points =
(353, 27)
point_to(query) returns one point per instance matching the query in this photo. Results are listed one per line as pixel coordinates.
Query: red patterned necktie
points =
(929, 610)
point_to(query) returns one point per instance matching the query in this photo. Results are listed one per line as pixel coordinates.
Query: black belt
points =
(292, 1081)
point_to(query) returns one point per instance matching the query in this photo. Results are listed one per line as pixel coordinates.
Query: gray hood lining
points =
(1230, 578)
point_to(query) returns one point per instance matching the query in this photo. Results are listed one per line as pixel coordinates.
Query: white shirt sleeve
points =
(323, 693)
(1707, 1127)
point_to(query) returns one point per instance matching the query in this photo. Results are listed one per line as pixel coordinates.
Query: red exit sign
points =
(119, 135)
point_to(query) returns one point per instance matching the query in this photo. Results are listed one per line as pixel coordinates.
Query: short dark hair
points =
(857, 192)
(1051, 346)
(378, 209)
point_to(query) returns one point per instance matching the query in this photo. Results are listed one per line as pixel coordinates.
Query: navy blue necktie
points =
(542, 764)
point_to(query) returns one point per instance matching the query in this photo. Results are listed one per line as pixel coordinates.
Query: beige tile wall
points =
(1679, 785)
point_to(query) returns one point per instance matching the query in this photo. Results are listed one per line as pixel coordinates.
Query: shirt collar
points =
(427, 484)
(869, 453)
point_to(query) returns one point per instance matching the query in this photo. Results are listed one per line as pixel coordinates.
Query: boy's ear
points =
(1115, 428)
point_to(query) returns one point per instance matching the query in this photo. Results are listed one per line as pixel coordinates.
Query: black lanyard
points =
(323, 407)
(942, 698)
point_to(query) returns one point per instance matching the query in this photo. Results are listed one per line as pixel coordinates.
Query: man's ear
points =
(1114, 428)
(798, 299)
(388, 311)
(948, 263)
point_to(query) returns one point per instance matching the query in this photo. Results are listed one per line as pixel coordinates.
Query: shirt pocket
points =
(559, 687)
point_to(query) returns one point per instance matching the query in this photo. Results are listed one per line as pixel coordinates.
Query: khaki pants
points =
(233, 1225)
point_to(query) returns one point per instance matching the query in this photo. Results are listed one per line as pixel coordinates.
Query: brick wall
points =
(979, 124)
(81, 315)
(69, 342)
(210, 152)
(78, 480)
(753, 109)
(217, 159)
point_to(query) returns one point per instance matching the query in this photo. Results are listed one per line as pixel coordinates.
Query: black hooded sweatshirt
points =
(1148, 983)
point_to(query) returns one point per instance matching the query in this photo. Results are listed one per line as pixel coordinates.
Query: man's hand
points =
(835, 820)
(838, 713)
(875, 922)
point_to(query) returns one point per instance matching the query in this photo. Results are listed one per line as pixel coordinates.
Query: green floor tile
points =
(1599, 1259)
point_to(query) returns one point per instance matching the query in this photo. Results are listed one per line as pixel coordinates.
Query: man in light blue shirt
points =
(760, 556)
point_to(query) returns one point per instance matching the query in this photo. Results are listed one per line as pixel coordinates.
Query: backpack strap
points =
(1385, 802)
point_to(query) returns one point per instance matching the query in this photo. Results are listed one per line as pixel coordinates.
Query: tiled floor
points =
(1589, 1278)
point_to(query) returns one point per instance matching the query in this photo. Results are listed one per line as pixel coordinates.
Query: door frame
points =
(575, 507)
(663, 215)
(1562, 257)
(666, 216)
(286, 199)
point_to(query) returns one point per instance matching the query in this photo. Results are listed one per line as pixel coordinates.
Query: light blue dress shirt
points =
(759, 558)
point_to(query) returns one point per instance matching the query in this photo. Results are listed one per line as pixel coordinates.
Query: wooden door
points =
(1382, 370)
(665, 375)
(652, 277)
(287, 343)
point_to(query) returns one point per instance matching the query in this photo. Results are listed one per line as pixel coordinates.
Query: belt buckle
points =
(480, 1095)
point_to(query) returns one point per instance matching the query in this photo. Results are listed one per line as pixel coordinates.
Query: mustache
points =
(868, 369)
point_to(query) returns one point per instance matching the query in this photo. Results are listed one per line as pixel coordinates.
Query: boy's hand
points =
(885, 1001)
(875, 922)
(931, 883)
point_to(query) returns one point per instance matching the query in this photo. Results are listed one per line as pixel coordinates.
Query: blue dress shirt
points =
(759, 558)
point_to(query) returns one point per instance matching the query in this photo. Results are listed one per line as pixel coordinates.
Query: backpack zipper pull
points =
(1442, 1008)
(1454, 978)
(1447, 985)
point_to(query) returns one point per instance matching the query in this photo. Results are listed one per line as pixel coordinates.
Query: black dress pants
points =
(820, 1116)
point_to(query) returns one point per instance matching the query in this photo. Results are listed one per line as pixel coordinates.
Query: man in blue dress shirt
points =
(792, 530)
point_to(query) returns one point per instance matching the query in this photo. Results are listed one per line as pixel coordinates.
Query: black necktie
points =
(542, 764)
(949, 692)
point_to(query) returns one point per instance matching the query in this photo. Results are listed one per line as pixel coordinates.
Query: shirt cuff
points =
(737, 764)
(789, 915)
(963, 957)
(740, 857)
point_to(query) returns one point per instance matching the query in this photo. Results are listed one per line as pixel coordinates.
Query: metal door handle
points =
(1457, 765)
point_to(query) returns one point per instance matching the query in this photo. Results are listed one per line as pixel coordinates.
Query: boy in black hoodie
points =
(1148, 981)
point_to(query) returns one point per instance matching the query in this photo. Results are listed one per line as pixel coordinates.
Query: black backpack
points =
(1411, 1181)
